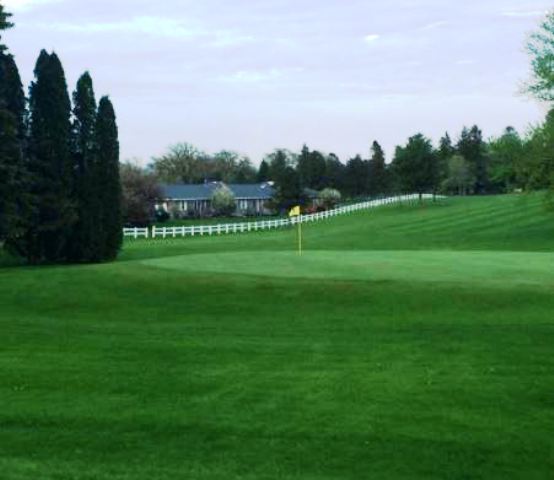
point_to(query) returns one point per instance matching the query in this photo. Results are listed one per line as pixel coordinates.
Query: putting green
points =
(500, 269)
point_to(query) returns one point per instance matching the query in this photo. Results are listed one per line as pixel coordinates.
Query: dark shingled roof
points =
(204, 191)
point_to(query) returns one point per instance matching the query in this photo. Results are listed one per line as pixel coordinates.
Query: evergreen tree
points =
(303, 167)
(334, 172)
(445, 152)
(108, 180)
(50, 166)
(416, 166)
(356, 176)
(86, 241)
(5, 24)
(446, 149)
(311, 169)
(472, 147)
(263, 172)
(13, 189)
(377, 171)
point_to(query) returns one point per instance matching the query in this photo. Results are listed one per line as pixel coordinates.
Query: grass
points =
(409, 342)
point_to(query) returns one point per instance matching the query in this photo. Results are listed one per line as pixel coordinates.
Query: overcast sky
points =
(253, 75)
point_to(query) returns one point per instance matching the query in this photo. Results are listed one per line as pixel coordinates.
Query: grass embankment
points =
(409, 342)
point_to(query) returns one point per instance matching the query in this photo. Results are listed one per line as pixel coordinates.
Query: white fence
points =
(228, 228)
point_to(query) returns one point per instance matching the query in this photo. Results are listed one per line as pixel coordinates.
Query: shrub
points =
(223, 201)
(329, 197)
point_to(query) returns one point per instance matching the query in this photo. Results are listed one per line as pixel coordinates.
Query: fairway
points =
(408, 342)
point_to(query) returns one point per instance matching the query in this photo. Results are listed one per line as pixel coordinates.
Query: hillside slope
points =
(511, 222)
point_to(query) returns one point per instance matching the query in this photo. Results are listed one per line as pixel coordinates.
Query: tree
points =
(356, 177)
(244, 171)
(263, 172)
(537, 169)
(14, 200)
(416, 166)
(506, 158)
(223, 200)
(378, 183)
(541, 49)
(445, 152)
(50, 167)
(182, 163)
(329, 197)
(472, 147)
(460, 179)
(86, 241)
(278, 162)
(140, 192)
(289, 191)
(108, 178)
(5, 24)
(311, 169)
(334, 172)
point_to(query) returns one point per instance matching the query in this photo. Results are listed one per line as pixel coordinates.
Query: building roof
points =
(204, 191)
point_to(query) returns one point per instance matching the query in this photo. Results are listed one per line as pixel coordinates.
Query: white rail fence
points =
(229, 228)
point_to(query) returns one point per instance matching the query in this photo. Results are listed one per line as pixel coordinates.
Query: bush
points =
(329, 197)
(223, 201)
(161, 215)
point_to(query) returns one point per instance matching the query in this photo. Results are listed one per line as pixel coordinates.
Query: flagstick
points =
(299, 236)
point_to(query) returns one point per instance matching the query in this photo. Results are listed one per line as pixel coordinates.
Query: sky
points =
(254, 75)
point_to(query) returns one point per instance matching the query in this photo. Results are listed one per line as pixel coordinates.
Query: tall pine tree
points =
(50, 164)
(108, 182)
(86, 242)
(5, 24)
(263, 172)
(13, 198)
(377, 171)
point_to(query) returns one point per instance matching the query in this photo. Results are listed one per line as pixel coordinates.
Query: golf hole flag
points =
(295, 212)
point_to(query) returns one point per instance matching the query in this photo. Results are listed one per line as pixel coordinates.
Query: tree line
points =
(468, 165)
(60, 193)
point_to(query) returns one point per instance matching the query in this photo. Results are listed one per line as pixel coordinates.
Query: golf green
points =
(500, 269)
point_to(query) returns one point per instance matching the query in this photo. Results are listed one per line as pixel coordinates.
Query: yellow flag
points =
(295, 212)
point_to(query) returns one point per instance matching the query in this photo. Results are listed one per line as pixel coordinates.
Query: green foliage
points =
(506, 158)
(378, 175)
(87, 239)
(108, 178)
(50, 165)
(223, 201)
(283, 172)
(416, 166)
(140, 192)
(263, 172)
(334, 172)
(14, 201)
(460, 179)
(311, 169)
(5, 24)
(541, 49)
(472, 147)
(356, 176)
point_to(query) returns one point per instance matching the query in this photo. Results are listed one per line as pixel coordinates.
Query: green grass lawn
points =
(407, 343)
